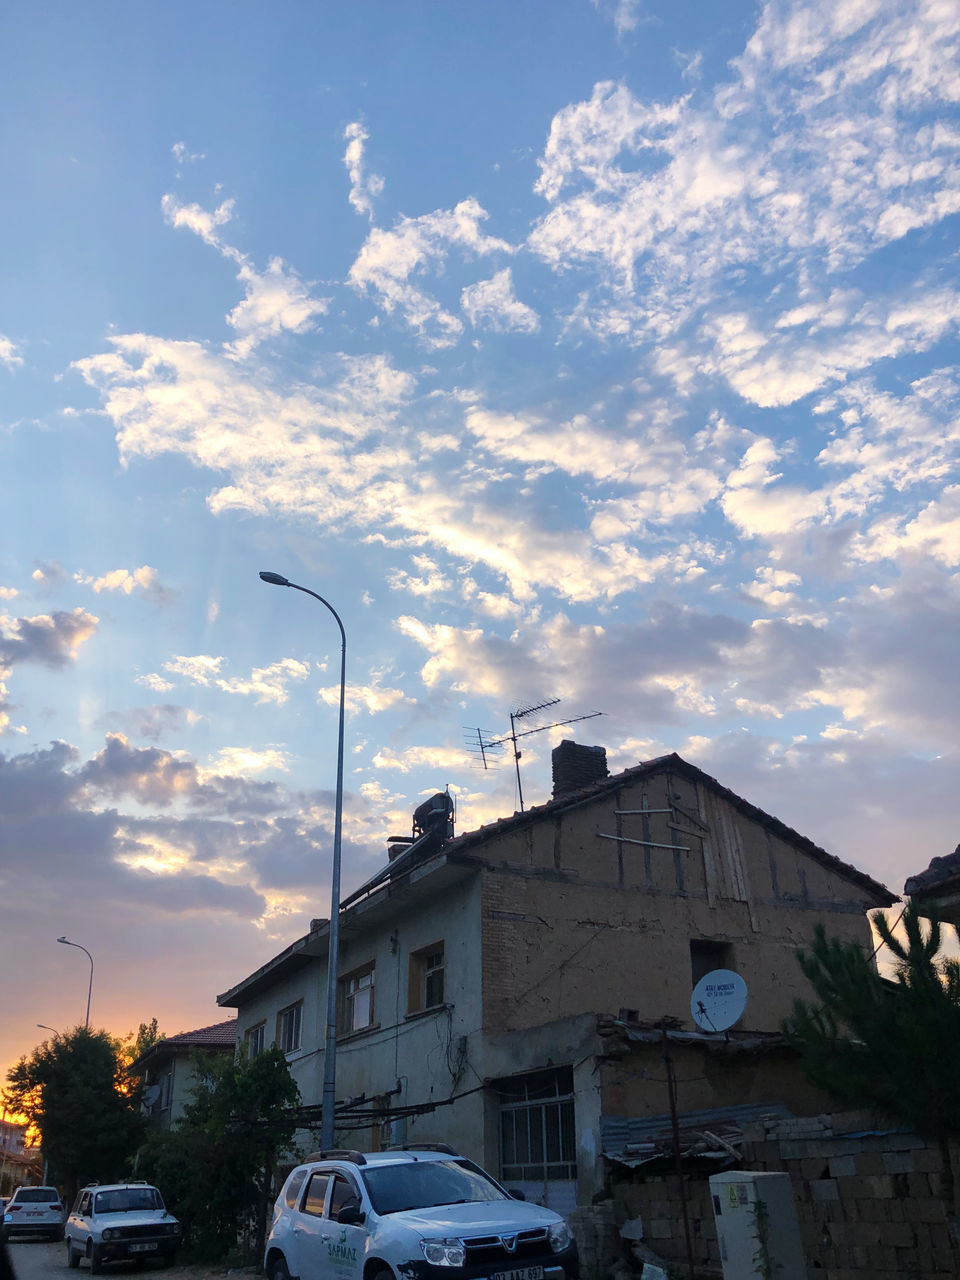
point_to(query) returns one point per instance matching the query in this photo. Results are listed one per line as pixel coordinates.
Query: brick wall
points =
(868, 1203)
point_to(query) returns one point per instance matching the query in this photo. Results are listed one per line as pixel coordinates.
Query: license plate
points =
(145, 1247)
(519, 1273)
(34, 1213)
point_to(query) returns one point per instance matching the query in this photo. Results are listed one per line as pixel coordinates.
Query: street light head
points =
(275, 578)
(64, 939)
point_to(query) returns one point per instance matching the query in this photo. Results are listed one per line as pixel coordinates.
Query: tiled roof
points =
(219, 1035)
(940, 873)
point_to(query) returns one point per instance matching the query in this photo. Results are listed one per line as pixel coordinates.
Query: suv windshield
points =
(421, 1185)
(126, 1198)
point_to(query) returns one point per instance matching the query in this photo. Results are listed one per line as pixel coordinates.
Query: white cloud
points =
(276, 302)
(418, 757)
(154, 682)
(388, 259)
(364, 187)
(125, 580)
(205, 223)
(372, 697)
(9, 353)
(183, 155)
(268, 683)
(244, 761)
(492, 303)
(8, 593)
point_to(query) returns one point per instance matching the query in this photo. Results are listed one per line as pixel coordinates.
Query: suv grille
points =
(490, 1249)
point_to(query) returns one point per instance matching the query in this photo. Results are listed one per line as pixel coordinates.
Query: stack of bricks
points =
(869, 1201)
(598, 1239)
(656, 1200)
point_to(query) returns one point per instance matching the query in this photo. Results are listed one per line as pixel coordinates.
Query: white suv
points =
(424, 1213)
(33, 1211)
(120, 1220)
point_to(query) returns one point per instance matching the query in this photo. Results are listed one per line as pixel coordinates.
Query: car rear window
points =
(37, 1195)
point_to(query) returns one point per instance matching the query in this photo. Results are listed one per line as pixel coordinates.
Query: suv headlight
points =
(109, 1234)
(559, 1236)
(447, 1252)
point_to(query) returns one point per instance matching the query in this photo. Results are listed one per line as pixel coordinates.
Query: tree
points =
(74, 1093)
(215, 1168)
(892, 1046)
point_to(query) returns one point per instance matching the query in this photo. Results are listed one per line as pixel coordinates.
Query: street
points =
(46, 1260)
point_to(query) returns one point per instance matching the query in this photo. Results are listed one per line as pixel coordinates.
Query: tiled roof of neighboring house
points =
(219, 1035)
(676, 764)
(942, 873)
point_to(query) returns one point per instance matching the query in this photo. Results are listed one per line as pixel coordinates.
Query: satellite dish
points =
(718, 1000)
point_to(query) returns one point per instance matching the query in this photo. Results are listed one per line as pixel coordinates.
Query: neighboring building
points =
(512, 991)
(167, 1071)
(937, 889)
(19, 1164)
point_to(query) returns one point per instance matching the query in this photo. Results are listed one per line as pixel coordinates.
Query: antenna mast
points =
(484, 744)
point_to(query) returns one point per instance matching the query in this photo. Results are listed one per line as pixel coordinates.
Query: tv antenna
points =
(481, 743)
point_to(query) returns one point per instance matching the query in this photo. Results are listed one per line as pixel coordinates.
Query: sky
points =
(592, 350)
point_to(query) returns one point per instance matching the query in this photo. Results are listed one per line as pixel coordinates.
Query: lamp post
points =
(67, 943)
(43, 1027)
(333, 945)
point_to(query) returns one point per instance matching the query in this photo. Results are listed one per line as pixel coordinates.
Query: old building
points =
(937, 890)
(513, 990)
(167, 1069)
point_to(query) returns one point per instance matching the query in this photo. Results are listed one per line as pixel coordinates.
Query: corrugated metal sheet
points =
(617, 1133)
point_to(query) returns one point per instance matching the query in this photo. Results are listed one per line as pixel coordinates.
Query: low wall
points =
(868, 1200)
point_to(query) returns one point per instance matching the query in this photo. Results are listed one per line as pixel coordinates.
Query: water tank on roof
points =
(435, 814)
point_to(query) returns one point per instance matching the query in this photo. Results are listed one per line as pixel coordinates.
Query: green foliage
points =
(893, 1046)
(74, 1092)
(134, 1046)
(216, 1166)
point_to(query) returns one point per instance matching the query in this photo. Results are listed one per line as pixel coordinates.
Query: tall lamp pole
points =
(333, 949)
(67, 943)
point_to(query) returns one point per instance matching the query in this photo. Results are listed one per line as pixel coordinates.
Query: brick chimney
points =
(575, 766)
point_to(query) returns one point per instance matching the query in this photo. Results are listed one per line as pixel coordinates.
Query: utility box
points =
(757, 1226)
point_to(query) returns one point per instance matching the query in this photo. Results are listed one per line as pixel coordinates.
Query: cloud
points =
(154, 682)
(268, 683)
(182, 154)
(388, 260)
(50, 639)
(492, 303)
(829, 141)
(276, 302)
(440, 759)
(205, 223)
(155, 722)
(9, 353)
(371, 697)
(125, 580)
(364, 187)
(247, 760)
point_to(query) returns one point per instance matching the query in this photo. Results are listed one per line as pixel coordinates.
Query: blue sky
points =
(594, 351)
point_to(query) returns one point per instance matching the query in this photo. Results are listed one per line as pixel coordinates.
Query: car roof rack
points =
(337, 1153)
(443, 1147)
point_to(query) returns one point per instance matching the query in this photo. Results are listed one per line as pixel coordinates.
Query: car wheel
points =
(73, 1255)
(279, 1270)
(96, 1261)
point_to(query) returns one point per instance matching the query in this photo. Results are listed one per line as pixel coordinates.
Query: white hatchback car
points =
(416, 1214)
(34, 1211)
(120, 1220)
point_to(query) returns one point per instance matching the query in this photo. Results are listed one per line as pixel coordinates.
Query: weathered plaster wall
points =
(574, 921)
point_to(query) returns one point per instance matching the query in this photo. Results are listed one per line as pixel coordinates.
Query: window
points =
(316, 1194)
(537, 1135)
(706, 956)
(356, 1000)
(288, 1027)
(343, 1191)
(292, 1193)
(254, 1038)
(426, 987)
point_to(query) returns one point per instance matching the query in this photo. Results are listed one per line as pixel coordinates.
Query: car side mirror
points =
(350, 1214)
(518, 1194)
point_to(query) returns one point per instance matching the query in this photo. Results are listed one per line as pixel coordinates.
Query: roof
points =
(942, 873)
(219, 1035)
(314, 943)
(676, 764)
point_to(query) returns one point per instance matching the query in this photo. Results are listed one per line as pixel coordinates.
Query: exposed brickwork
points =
(868, 1203)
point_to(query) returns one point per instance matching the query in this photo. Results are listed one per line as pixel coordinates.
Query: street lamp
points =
(43, 1027)
(67, 943)
(333, 945)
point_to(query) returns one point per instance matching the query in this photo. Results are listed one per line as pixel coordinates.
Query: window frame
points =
(346, 999)
(421, 973)
(251, 1034)
(293, 1012)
